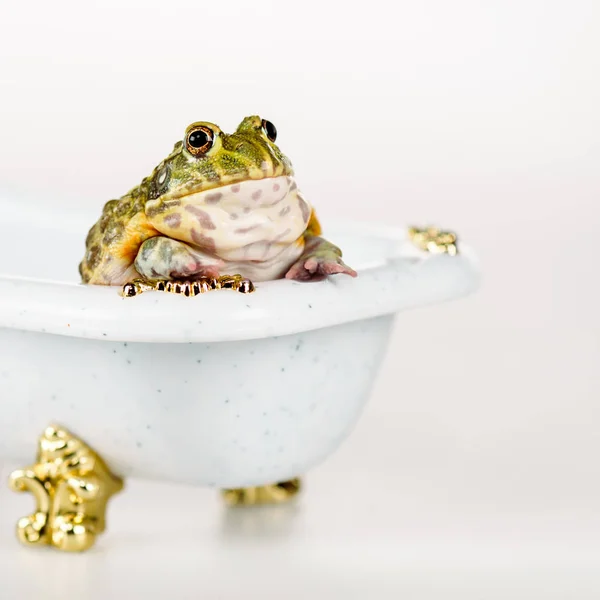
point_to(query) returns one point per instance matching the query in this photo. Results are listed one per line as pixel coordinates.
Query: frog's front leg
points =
(319, 259)
(165, 258)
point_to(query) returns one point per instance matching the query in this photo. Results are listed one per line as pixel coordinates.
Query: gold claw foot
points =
(189, 288)
(434, 240)
(72, 486)
(265, 494)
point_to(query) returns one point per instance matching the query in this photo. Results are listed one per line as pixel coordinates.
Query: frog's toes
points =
(328, 266)
(198, 271)
(316, 268)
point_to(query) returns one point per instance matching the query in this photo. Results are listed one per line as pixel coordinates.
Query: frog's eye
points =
(269, 129)
(199, 141)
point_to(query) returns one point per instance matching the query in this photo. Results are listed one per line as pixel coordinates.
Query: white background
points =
(474, 472)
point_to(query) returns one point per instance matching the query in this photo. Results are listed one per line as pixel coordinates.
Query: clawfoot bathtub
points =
(224, 389)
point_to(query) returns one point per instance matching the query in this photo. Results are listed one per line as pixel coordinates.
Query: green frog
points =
(217, 204)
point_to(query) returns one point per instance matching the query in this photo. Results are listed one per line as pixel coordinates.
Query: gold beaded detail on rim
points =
(189, 288)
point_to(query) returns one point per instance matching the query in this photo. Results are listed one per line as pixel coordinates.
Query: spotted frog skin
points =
(218, 204)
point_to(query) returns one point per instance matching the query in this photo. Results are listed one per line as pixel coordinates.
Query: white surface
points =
(374, 522)
(481, 117)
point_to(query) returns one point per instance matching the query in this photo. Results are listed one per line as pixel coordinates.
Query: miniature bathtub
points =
(224, 389)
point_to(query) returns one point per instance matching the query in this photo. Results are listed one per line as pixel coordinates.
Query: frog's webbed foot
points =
(319, 259)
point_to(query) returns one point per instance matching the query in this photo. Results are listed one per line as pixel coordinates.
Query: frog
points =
(217, 204)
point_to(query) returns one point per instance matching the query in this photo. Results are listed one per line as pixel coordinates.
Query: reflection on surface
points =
(249, 522)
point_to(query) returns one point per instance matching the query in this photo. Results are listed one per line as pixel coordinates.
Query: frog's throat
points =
(236, 222)
(240, 197)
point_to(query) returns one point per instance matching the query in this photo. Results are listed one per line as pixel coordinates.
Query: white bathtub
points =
(224, 389)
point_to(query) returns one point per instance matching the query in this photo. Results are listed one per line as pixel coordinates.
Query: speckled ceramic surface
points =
(220, 390)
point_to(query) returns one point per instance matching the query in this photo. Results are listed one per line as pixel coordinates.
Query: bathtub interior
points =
(55, 242)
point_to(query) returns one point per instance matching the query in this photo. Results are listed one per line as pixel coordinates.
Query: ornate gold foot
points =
(189, 288)
(72, 485)
(264, 494)
(434, 240)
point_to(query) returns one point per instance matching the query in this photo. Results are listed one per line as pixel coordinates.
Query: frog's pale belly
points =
(274, 267)
(255, 227)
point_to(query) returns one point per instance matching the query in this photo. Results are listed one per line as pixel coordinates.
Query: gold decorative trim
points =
(265, 494)
(189, 288)
(434, 240)
(72, 485)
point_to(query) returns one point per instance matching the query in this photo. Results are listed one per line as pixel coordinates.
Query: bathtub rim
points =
(403, 278)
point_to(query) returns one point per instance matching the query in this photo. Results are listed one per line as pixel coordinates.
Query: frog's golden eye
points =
(269, 129)
(199, 141)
